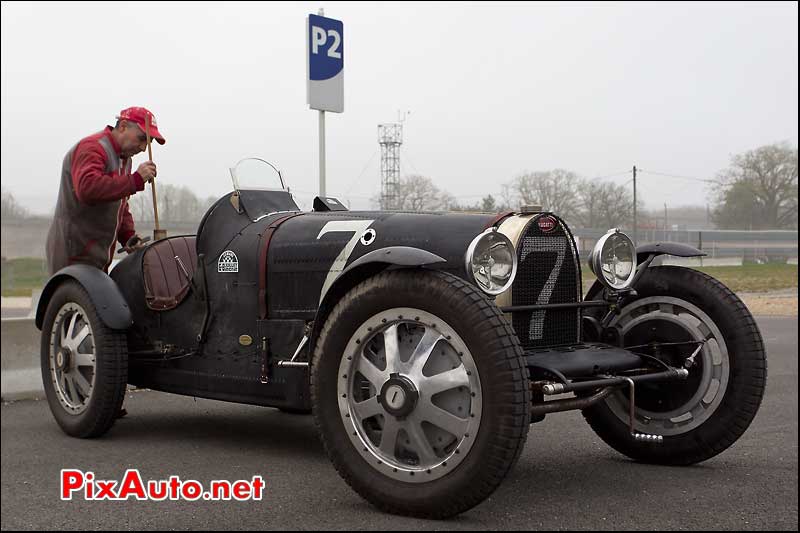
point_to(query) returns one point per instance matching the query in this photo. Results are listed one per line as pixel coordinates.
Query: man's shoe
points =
(122, 412)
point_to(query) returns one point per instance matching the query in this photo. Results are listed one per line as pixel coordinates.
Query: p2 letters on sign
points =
(325, 63)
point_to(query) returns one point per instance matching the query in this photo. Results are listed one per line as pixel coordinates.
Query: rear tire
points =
(84, 364)
(712, 409)
(432, 345)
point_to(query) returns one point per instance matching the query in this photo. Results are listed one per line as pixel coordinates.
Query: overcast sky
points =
(493, 90)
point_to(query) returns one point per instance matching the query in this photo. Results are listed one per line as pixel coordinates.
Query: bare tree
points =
(175, 204)
(418, 193)
(604, 205)
(141, 206)
(555, 190)
(759, 189)
(11, 209)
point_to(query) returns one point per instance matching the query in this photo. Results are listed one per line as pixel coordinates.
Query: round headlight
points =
(492, 262)
(613, 260)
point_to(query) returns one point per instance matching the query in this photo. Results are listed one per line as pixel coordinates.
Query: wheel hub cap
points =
(398, 396)
(63, 359)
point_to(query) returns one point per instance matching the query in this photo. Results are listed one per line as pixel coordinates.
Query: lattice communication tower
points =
(390, 137)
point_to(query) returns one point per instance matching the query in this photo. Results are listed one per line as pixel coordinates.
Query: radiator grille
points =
(548, 272)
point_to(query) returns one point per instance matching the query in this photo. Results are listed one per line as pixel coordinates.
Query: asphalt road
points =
(566, 478)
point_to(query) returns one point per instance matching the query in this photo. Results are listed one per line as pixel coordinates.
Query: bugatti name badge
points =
(228, 262)
(547, 223)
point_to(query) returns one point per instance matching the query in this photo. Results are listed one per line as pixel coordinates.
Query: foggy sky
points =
(493, 90)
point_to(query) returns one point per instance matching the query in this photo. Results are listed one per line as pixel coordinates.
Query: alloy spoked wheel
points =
(409, 395)
(72, 358)
(420, 392)
(84, 363)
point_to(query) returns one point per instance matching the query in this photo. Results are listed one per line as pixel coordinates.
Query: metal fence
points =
(26, 238)
(750, 246)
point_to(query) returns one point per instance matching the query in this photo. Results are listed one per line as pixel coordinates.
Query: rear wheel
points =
(420, 393)
(84, 364)
(705, 414)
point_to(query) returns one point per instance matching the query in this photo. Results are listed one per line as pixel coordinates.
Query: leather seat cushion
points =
(165, 283)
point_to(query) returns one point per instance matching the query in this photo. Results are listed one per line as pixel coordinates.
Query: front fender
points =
(666, 248)
(396, 255)
(365, 266)
(102, 290)
(646, 250)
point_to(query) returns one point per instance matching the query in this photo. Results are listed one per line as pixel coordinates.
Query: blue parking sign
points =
(325, 67)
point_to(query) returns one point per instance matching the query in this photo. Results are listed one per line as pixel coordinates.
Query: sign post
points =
(324, 75)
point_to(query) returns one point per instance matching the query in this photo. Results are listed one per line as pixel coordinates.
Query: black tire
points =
(709, 433)
(494, 351)
(294, 410)
(83, 414)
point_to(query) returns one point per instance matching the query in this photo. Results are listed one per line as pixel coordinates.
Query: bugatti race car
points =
(424, 344)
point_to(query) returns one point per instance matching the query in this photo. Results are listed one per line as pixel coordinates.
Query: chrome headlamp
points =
(491, 262)
(613, 260)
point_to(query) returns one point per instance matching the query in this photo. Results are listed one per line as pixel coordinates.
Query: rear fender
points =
(102, 290)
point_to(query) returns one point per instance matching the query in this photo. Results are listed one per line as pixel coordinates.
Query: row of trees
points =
(759, 190)
(583, 202)
(175, 204)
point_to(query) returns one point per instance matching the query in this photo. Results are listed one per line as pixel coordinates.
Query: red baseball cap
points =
(137, 115)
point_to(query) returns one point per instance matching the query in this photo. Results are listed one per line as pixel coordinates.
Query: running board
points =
(581, 360)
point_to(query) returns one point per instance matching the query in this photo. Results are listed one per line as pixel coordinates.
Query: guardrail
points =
(749, 246)
(19, 359)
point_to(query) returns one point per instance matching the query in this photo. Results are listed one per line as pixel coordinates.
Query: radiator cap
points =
(531, 209)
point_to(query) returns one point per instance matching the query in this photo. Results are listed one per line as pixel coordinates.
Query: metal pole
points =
(635, 239)
(322, 154)
(321, 13)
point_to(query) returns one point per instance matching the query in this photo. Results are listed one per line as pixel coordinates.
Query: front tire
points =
(84, 364)
(420, 393)
(704, 415)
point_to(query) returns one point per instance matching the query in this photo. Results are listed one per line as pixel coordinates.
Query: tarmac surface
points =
(566, 478)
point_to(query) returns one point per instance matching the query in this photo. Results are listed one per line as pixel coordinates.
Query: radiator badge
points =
(546, 223)
(228, 262)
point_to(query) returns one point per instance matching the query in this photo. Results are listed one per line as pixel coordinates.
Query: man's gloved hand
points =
(134, 243)
(147, 171)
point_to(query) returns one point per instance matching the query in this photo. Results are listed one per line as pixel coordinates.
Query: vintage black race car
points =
(425, 344)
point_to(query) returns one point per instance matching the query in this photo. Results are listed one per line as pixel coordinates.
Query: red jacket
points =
(92, 185)
(92, 209)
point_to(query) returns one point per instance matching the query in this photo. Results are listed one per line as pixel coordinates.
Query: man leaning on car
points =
(96, 181)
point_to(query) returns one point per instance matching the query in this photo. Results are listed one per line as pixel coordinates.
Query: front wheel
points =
(84, 364)
(420, 393)
(705, 414)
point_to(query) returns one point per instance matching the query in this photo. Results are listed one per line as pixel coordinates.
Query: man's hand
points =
(134, 243)
(147, 171)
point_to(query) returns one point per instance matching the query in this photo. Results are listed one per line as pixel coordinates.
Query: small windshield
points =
(253, 173)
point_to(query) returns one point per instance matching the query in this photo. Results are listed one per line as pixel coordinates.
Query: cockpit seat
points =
(165, 282)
